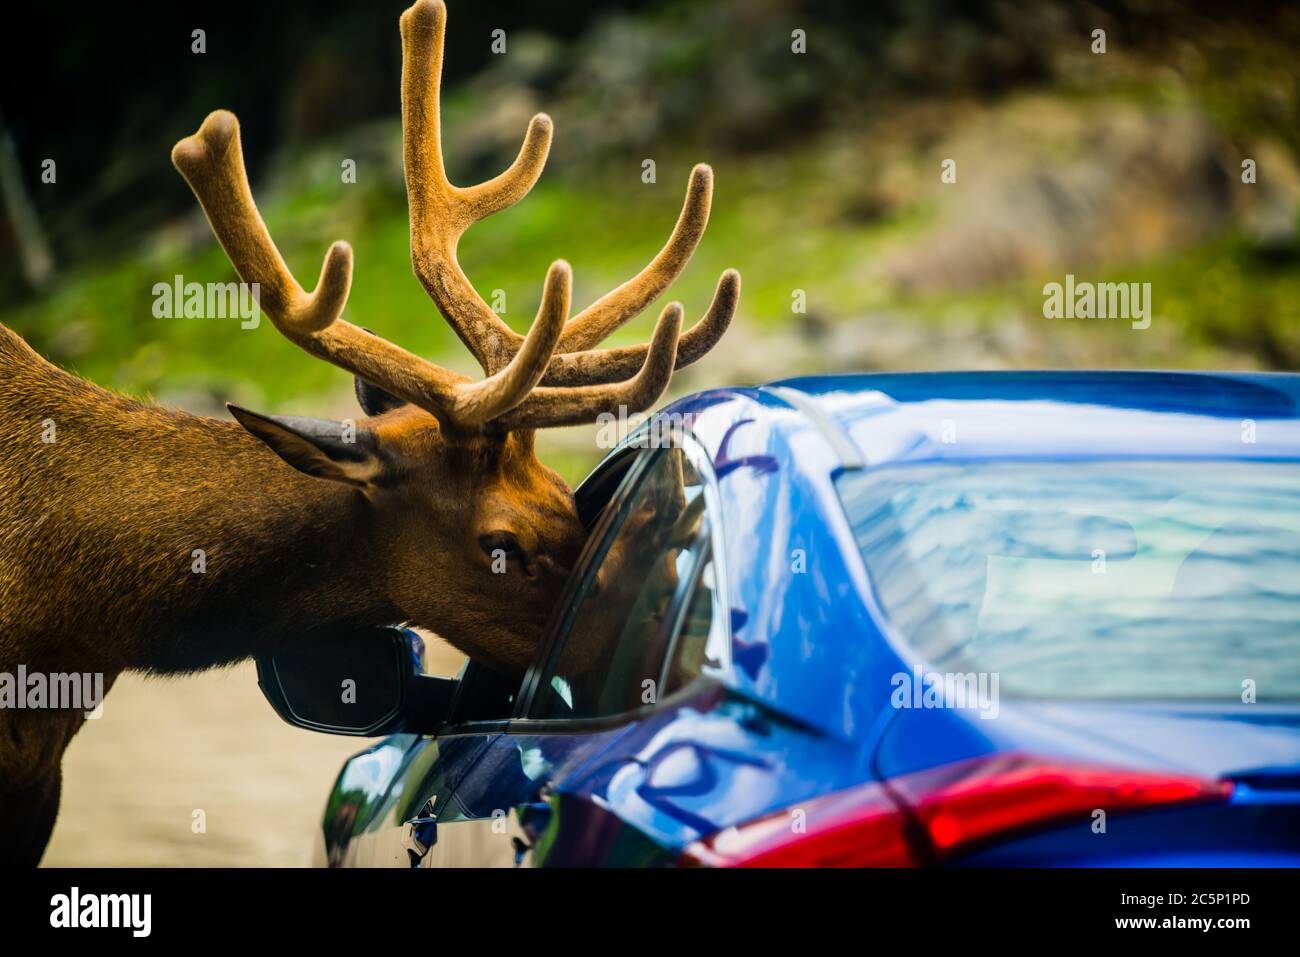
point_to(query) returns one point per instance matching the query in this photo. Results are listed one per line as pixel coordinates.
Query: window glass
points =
(695, 647)
(1107, 579)
(624, 611)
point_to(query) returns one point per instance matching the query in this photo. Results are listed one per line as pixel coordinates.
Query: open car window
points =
(486, 696)
(625, 613)
(697, 645)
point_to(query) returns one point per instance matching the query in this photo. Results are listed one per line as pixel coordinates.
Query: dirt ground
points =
(166, 748)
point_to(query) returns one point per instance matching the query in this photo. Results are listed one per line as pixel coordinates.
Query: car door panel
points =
(708, 760)
(427, 771)
(512, 780)
(649, 544)
(638, 794)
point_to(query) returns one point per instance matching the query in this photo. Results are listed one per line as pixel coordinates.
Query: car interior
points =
(624, 636)
(487, 695)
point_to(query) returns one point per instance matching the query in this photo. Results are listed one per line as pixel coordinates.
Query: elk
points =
(308, 527)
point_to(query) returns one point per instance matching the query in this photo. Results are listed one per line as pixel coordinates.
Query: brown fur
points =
(98, 527)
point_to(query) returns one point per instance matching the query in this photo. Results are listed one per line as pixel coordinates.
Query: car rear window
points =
(1100, 579)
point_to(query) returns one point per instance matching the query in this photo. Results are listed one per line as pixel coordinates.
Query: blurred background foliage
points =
(1122, 166)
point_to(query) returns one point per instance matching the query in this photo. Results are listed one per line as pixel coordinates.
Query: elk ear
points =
(338, 451)
(374, 400)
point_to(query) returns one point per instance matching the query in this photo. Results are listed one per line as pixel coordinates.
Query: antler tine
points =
(441, 212)
(591, 326)
(517, 180)
(548, 407)
(211, 161)
(506, 389)
(615, 365)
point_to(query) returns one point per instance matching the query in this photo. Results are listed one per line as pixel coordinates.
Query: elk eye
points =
(494, 543)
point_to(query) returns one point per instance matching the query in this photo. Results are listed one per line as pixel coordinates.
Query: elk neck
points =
(147, 538)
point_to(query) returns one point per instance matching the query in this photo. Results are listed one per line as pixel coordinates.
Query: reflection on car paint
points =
(805, 710)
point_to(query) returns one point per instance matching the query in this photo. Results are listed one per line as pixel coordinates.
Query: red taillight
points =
(932, 814)
(859, 827)
(967, 802)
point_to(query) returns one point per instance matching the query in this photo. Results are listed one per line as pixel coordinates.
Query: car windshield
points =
(1091, 579)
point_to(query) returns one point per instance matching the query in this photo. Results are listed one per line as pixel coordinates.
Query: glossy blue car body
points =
(799, 711)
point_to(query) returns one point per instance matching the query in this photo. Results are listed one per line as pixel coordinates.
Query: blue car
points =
(891, 619)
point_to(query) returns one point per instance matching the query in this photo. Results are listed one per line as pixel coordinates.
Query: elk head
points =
(473, 535)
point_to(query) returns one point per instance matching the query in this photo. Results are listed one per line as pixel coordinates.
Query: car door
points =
(624, 645)
(410, 816)
(392, 801)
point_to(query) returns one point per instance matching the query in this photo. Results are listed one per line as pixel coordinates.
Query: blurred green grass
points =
(773, 219)
(809, 216)
(98, 319)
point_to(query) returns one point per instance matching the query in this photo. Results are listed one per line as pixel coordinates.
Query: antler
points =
(575, 384)
(441, 212)
(212, 162)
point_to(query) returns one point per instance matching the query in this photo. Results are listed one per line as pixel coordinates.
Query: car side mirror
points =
(367, 683)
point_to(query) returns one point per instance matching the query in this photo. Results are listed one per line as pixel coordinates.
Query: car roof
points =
(806, 629)
(879, 418)
(1256, 394)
